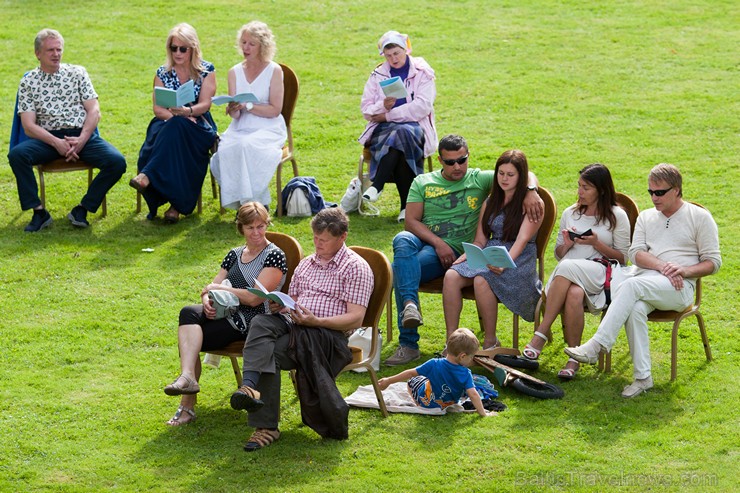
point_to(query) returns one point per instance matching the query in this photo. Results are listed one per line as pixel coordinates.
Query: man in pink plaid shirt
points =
(331, 289)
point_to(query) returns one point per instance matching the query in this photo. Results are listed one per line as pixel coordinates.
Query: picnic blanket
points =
(397, 400)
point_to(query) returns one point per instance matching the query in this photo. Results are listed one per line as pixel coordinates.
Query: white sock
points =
(411, 304)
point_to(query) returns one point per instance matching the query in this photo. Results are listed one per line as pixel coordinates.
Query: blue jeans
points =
(96, 152)
(414, 262)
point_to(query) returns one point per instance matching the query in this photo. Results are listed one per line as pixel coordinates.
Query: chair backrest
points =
(290, 93)
(543, 235)
(383, 276)
(293, 253)
(630, 207)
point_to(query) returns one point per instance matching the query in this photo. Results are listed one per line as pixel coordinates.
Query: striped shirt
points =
(326, 289)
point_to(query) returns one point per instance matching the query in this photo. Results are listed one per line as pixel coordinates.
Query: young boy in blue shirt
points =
(441, 382)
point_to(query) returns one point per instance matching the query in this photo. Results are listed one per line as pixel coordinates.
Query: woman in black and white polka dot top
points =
(199, 331)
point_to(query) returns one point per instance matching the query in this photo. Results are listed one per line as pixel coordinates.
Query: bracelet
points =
(191, 110)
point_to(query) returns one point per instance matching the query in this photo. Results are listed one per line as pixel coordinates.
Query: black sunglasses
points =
(183, 49)
(659, 193)
(453, 162)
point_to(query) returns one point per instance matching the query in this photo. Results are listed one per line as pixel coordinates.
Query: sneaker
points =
(402, 216)
(402, 356)
(638, 387)
(371, 194)
(41, 219)
(78, 217)
(411, 317)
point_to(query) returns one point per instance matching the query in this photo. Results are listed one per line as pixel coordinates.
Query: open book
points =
(278, 297)
(496, 256)
(171, 98)
(393, 88)
(244, 97)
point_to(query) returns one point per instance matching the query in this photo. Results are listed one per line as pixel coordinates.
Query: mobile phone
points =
(573, 235)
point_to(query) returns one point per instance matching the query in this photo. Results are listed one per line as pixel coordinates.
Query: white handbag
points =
(362, 339)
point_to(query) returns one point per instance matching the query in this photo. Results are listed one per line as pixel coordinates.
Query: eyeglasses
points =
(659, 193)
(183, 49)
(453, 162)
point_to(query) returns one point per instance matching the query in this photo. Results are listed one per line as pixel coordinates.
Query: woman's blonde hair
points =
(250, 212)
(186, 33)
(263, 35)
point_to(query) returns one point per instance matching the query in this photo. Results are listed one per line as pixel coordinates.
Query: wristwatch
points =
(532, 188)
(249, 106)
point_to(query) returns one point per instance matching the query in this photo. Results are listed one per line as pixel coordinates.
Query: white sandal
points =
(569, 373)
(175, 420)
(530, 352)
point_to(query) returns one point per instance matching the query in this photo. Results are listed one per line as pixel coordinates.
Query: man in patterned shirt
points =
(59, 111)
(331, 289)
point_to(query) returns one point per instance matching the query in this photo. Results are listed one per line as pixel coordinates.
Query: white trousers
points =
(632, 301)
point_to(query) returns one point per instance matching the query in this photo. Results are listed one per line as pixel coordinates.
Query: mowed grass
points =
(89, 327)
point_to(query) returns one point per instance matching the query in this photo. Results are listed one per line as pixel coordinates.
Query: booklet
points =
(394, 88)
(496, 256)
(244, 97)
(171, 98)
(278, 297)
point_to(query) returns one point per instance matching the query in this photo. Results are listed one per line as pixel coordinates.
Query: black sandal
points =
(262, 437)
(246, 398)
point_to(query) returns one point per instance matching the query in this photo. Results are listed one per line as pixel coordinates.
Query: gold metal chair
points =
(383, 277)
(62, 166)
(676, 317)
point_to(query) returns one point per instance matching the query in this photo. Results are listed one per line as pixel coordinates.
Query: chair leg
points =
(378, 392)
(704, 338)
(42, 186)
(295, 166)
(515, 335)
(279, 186)
(237, 371)
(389, 316)
(214, 187)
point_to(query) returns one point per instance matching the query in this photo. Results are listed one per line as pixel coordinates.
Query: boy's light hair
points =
(462, 341)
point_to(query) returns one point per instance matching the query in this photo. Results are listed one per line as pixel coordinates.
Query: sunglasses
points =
(453, 162)
(659, 193)
(183, 49)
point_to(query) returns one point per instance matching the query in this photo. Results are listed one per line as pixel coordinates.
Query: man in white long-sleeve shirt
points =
(674, 244)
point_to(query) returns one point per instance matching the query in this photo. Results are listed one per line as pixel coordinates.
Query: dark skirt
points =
(175, 158)
(406, 137)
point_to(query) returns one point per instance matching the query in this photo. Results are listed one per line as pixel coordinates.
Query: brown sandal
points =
(175, 420)
(190, 387)
(262, 437)
(139, 184)
(246, 398)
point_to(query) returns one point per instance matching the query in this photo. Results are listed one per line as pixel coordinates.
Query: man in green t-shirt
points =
(441, 213)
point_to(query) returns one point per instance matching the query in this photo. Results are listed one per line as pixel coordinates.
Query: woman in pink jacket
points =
(400, 132)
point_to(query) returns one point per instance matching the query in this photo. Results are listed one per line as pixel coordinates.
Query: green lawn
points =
(89, 328)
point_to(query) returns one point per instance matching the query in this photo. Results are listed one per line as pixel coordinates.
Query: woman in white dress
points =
(577, 283)
(251, 147)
